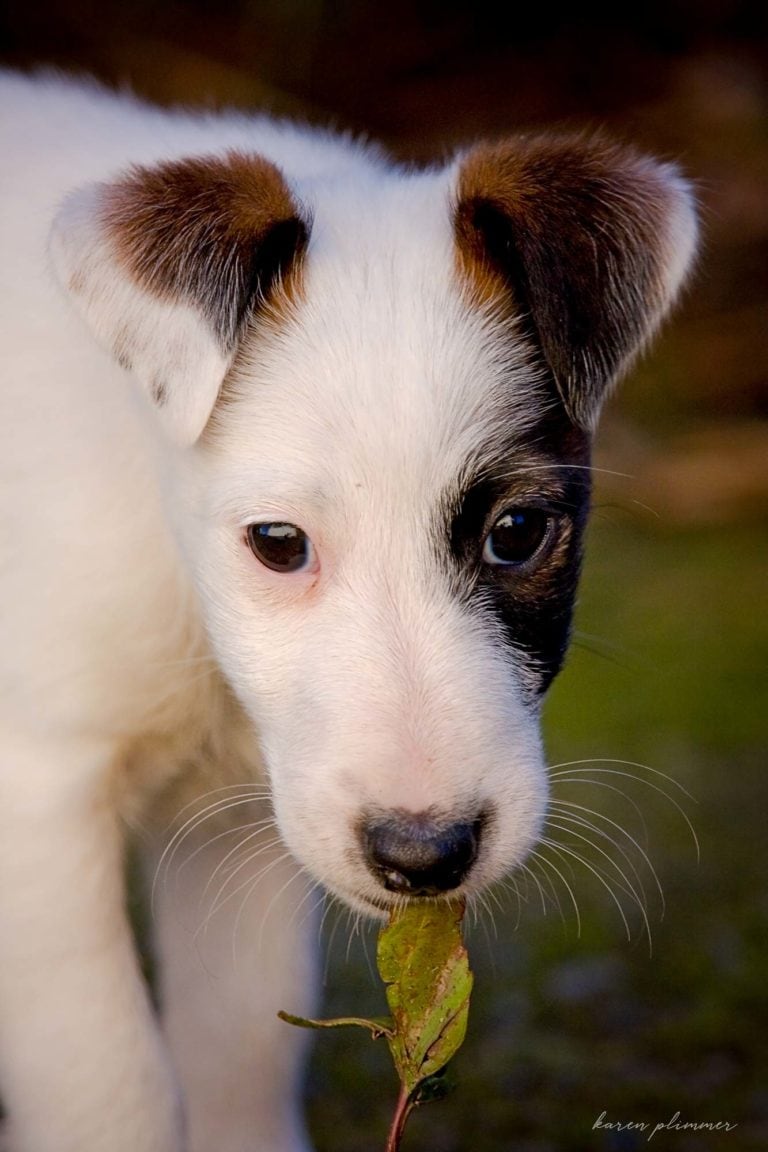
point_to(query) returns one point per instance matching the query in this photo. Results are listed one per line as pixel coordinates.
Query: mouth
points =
(380, 906)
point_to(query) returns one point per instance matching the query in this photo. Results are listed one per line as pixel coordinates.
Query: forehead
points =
(381, 370)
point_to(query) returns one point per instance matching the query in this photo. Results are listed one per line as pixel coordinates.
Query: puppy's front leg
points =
(236, 933)
(82, 1067)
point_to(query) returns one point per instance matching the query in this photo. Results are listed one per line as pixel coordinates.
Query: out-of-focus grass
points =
(670, 672)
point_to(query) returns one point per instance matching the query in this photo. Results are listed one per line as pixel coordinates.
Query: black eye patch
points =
(515, 552)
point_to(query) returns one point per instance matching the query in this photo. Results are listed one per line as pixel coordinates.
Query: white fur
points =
(165, 340)
(130, 603)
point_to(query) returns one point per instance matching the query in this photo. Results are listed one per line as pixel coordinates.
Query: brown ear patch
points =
(572, 234)
(216, 232)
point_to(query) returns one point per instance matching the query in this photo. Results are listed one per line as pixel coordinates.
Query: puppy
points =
(295, 471)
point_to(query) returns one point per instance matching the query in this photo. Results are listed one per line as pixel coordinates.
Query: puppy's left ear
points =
(168, 263)
(586, 243)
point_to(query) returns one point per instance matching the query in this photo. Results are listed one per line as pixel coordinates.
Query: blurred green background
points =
(668, 670)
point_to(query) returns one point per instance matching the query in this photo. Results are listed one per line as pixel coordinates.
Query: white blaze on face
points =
(374, 688)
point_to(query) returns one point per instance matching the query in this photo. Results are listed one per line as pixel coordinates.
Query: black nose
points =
(417, 855)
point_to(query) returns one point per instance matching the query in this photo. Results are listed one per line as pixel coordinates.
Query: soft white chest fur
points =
(223, 337)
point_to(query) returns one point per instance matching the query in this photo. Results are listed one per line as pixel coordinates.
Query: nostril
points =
(417, 855)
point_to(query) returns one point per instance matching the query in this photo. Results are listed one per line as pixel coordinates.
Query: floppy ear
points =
(587, 240)
(168, 263)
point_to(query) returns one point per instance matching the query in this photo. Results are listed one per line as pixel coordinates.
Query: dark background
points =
(669, 666)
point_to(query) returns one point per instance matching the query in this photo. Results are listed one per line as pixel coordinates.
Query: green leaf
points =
(423, 962)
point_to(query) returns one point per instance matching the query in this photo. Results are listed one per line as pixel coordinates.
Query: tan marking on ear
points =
(477, 177)
(216, 232)
(286, 293)
(584, 240)
(484, 285)
(551, 187)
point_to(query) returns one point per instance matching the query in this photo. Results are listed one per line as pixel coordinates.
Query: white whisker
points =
(188, 859)
(193, 822)
(298, 873)
(354, 931)
(600, 832)
(529, 874)
(562, 850)
(610, 788)
(484, 901)
(332, 903)
(577, 773)
(494, 895)
(561, 770)
(510, 885)
(549, 864)
(220, 899)
(639, 898)
(313, 890)
(254, 831)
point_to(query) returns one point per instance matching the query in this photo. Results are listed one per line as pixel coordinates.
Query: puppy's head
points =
(385, 386)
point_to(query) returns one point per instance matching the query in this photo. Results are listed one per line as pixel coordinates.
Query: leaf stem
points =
(402, 1111)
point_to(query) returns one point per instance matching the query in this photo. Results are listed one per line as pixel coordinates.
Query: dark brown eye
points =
(281, 547)
(516, 537)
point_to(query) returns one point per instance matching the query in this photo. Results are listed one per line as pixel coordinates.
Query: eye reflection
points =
(279, 546)
(516, 537)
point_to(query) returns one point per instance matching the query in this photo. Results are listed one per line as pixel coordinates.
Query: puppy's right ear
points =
(168, 263)
(589, 243)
